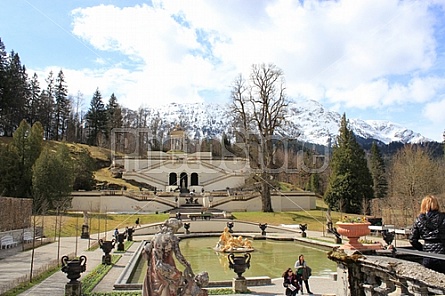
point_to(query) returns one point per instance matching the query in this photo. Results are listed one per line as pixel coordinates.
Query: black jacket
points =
(431, 228)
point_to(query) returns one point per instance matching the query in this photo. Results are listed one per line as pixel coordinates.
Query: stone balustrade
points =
(375, 274)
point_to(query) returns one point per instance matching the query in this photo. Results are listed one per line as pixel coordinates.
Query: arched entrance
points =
(172, 179)
(194, 179)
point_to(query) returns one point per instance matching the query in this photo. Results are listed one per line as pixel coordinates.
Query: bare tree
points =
(259, 105)
(413, 174)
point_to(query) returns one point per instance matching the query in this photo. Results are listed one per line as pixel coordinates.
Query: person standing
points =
(303, 273)
(430, 226)
(137, 222)
(290, 282)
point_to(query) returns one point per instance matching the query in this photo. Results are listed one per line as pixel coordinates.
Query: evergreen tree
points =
(48, 102)
(96, 119)
(378, 172)
(3, 60)
(350, 182)
(33, 101)
(62, 106)
(314, 183)
(84, 168)
(27, 143)
(14, 94)
(52, 179)
(45, 113)
(114, 114)
(9, 170)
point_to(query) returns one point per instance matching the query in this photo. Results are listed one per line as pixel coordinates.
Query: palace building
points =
(177, 170)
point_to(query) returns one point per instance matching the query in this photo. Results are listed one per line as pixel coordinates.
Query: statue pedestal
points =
(239, 285)
(73, 289)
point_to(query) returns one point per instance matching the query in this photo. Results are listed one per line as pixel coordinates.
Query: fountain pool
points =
(270, 258)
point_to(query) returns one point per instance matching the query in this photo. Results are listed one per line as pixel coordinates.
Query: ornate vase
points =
(230, 226)
(303, 228)
(353, 231)
(73, 268)
(263, 227)
(239, 264)
(187, 227)
(106, 247)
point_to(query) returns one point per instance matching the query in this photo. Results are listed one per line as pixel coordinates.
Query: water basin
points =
(270, 258)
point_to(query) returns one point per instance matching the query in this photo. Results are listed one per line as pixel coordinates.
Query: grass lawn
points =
(315, 219)
(72, 223)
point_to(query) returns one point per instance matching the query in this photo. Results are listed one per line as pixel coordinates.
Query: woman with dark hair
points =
(430, 226)
(290, 283)
(303, 273)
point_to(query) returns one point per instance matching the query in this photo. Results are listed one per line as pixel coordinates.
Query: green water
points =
(270, 258)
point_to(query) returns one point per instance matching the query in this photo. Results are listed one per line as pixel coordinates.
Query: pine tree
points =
(62, 106)
(114, 114)
(48, 104)
(96, 119)
(350, 182)
(3, 61)
(34, 100)
(378, 172)
(14, 94)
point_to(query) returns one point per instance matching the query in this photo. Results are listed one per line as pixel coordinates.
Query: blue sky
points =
(370, 59)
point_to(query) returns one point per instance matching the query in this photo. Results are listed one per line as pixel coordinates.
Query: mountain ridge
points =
(309, 119)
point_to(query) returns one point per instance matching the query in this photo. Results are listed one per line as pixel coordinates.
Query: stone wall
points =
(15, 213)
(379, 273)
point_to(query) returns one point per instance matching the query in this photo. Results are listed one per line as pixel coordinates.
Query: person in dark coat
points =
(303, 273)
(430, 227)
(290, 282)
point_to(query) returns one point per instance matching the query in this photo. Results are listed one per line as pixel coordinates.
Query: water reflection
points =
(270, 258)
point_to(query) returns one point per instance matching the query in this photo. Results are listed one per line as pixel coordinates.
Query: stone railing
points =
(373, 274)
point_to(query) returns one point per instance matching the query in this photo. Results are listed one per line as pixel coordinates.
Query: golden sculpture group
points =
(228, 243)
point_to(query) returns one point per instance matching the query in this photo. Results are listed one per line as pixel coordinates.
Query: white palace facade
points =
(177, 170)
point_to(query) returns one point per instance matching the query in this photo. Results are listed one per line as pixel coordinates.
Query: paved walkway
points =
(16, 268)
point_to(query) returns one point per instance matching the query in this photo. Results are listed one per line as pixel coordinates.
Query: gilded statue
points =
(229, 243)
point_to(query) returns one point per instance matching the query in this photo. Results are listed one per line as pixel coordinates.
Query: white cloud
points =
(434, 111)
(359, 54)
(381, 93)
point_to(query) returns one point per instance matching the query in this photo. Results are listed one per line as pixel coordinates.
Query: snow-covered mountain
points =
(308, 118)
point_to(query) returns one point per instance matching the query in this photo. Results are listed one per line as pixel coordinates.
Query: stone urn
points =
(73, 268)
(303, 228)
(263, 227)
(353, 231)
(106, 247)
(187, 227)
(230, 226)
(239, 264)
(120, 241)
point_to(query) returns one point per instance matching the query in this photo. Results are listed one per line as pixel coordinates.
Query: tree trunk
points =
(265, 196)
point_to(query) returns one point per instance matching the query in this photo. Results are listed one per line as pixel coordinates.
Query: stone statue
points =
(163, 278)
(85, 218)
